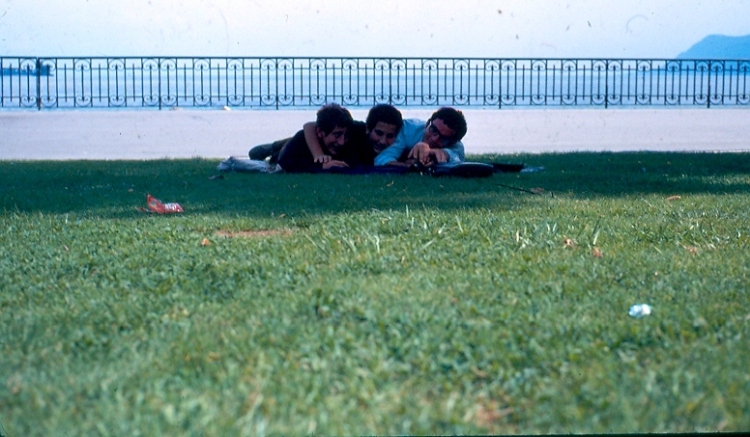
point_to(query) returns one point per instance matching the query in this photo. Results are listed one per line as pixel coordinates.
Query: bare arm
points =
(311, 138)
(426, 155)
(334, 163)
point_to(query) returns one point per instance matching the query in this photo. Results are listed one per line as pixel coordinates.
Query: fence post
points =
(708, 96)
(158, 76)
(38, 84)
(606, 84)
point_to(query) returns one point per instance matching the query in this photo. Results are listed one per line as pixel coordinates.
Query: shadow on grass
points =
(115, 188)
(609, 174)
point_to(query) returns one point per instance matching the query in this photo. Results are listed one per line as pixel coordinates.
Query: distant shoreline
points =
(12, 71)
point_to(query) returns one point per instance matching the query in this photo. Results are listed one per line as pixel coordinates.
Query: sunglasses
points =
(446, 141)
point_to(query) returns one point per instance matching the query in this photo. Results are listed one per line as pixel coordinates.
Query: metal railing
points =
(169, 82)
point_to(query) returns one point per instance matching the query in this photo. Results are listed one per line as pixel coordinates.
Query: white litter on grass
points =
(241, 164)
(639, 310)
(532, 169)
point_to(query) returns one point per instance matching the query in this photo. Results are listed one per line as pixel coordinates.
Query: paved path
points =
(152, 134)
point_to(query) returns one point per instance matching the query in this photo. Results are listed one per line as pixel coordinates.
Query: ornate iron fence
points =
(167, 82)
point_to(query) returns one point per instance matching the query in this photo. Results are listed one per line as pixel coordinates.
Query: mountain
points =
(719, 47)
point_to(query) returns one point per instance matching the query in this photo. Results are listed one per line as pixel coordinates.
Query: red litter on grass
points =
(159, 207)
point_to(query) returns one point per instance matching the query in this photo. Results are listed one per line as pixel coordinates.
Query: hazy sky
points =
(388, 28)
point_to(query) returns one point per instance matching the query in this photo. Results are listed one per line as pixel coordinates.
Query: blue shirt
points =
(412, 133)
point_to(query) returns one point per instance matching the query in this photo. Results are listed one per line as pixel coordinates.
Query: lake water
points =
(262, 83)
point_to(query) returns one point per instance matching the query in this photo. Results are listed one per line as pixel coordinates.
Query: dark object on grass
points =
(474, 169)
(368, 169)
(503, 167)
(463, 170)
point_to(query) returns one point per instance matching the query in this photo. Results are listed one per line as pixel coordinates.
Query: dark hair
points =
(384, 114)
(331, 116)
(454, 119)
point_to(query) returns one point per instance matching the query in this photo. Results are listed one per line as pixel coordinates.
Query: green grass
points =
(350, 305)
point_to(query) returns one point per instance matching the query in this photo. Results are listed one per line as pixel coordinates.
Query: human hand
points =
(420, 152)
(439, 155)
(334, 163)
(322, 158)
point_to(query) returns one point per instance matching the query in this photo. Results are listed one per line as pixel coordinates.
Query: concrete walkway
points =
(152, 134)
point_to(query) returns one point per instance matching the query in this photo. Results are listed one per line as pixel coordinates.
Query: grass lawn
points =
(381, 304)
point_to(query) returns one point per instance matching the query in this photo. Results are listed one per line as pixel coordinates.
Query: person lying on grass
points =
(371, 137)
(331, 135)
(426, 143)
(437, 140)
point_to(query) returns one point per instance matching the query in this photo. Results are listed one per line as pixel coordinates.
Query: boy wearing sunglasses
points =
(436, 141)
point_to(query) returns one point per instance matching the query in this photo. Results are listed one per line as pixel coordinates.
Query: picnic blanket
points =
(463, 169)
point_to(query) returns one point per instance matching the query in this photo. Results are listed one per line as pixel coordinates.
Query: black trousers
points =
(270, 151)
